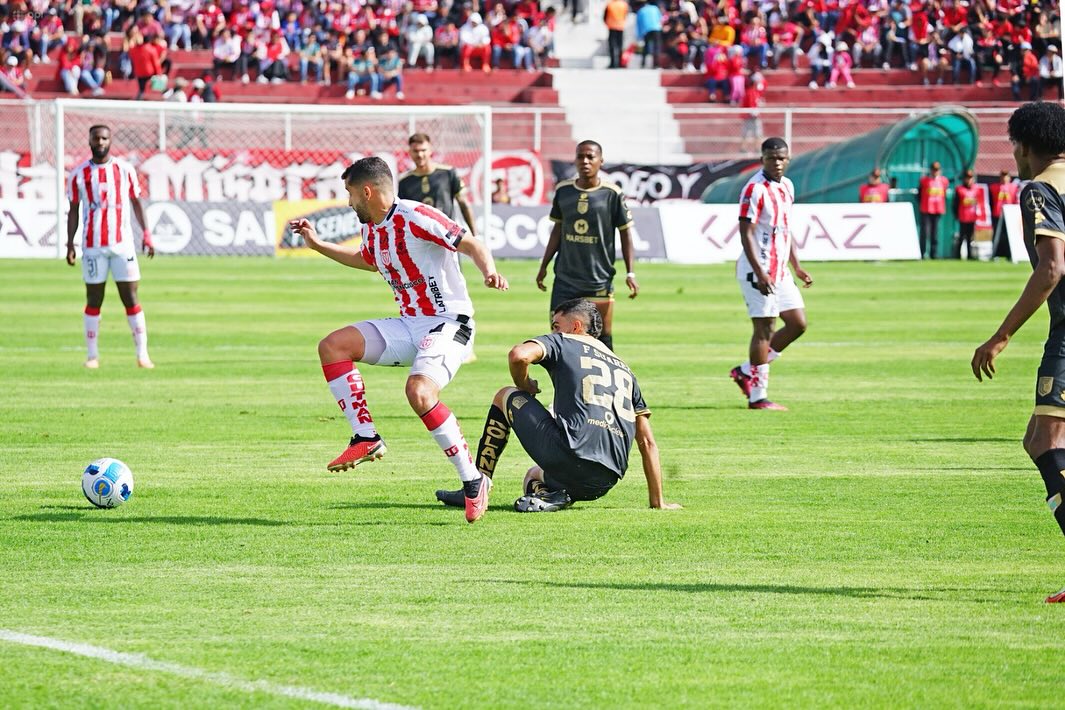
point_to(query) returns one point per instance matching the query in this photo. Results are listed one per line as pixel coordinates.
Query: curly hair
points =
(1040, 126)
(586, 311)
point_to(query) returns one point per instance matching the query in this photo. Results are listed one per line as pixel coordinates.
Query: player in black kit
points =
(583, 450)
(1037, 131)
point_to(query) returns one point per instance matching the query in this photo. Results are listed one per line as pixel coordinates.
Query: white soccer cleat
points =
(145, 363)
(92, 363)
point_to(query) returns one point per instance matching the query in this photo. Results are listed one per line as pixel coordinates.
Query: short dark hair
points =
(1040, 126)
(592, 143)
(99, 127)
(586, 311)
(774, 143)
(372, 170)
(419, 138)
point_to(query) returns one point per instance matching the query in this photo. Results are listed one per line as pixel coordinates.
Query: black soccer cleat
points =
(453, 499)
(543, 502)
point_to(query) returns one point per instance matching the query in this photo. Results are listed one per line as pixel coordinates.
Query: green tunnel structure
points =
(902, 150)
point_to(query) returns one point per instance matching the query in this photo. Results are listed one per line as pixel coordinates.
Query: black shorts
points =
(560, 293)
(542, 439)
(1050, 384)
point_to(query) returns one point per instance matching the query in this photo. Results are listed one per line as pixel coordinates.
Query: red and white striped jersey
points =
(767, 205)
(415, 249)
(103, 191)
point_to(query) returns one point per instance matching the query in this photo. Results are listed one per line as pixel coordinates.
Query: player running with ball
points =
(415, 248)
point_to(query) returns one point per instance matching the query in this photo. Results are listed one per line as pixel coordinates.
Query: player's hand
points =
(634, 286)
(306, 230)
(531, 386)
(984, 358)
(668, 506)
(146, 244)
(496, 281)
(540, 276)
(807, 280)
(764, 287)
(72, 256)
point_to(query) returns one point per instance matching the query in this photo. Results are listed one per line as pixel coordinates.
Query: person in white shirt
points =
(1050, 72)
(475, 41)
(420, 40)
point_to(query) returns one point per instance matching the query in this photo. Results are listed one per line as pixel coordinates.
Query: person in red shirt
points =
(146, 60)
(1004, 192)
(717, 71)
(966, 211)
(875, 190)
(933, 205)
(1029, 73)
(751, 132)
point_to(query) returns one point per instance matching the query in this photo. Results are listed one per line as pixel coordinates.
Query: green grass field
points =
(883, 544)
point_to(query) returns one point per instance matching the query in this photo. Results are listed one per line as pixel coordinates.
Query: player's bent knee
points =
(500, 399)
(422, 393)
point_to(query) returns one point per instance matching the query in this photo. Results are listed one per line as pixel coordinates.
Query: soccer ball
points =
(107, 483)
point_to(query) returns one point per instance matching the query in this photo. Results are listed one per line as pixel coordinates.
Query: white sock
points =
(92, 332)
(139, 328)
(442, 424)
(745, 368)
(348, 390)
(759, 382)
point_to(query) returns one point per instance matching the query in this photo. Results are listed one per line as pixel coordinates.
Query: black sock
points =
(607, 340)
(1051, 465)
(471, 488)
(493, 441)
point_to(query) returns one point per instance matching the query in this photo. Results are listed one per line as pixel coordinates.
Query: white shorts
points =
(785, 297)
(433, 346)
(96, 266)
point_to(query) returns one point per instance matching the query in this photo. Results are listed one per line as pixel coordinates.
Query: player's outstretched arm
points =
(1044, 279)
(72, 229)
(521, 357)
(482, 259)
(335, 252)
(550, 250)
(652, 467)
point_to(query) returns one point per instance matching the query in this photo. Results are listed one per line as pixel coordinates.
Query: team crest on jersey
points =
(1046, 384)
(425, 184)
(427, 342)
(1034, 201)
(386, 257)
(582, 207)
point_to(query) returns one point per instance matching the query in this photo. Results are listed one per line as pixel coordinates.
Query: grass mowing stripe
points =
(142, 662)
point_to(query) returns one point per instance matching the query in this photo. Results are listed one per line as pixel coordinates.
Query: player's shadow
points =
(965, 440)
(93, 516)
(721, 588)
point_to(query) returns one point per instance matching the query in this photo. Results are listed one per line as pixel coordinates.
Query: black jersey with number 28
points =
(597, 398)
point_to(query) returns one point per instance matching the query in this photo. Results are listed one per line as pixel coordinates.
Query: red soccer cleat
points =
(1056, 598)
(359, 451)
(766, 404)
(742, 381)
(476, 506)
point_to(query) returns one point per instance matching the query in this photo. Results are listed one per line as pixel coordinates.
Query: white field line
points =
(142, 662)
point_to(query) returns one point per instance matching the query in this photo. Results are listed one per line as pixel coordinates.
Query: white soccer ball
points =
(107, 483)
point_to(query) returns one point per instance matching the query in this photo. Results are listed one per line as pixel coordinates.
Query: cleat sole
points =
(374, 455)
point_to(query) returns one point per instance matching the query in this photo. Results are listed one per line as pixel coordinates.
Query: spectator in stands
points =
(446, 42)
(146, 61)
(48, 34)
(1050, 72)
(615, 16)
(176, 19)
(841, 67)
(227, 54)
(964, 50)
(539, 41)
(896, 34)
(293, 32)
(177, 94)
(755, 42)
(787, 40)
(932, 204)
(722, 33)
(273, 62)
(382, 41)
(420, 43)
(649, 31)
(149, 27)
(1029, 73)
(391, 70)
(751, 132)
(1004, 192)
(14, 73)
(362, 75)
(311, 56)
(210, 92)
(867, 46)
(71, 70)
(966, 202)
(207, 24)
(499, 194)
(507, 37)
(874, 190)
(475, 41)
(676, 45)
(496, 16)
(336, 53)
(737, 74)
(716, 73)
(820, 56)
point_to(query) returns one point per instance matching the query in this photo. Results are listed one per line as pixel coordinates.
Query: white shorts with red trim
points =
(785, 297)
(433, 346)
(97, 263)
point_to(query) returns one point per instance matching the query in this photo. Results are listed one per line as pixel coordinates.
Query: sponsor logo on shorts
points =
(427, 342)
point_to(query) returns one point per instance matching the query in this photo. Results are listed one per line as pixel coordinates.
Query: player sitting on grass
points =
(583, 450)
(1037, 131)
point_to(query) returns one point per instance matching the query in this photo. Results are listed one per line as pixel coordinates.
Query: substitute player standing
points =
(581, 451)
(109, 190)
(414, 247)
(1037, 131)
(763, 274)
(586, 211)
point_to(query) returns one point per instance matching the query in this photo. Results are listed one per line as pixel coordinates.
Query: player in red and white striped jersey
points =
(415, 248)
(763, 273)
(105, 191)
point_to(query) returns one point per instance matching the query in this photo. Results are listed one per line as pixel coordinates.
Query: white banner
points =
(27, 229)
(709, 234)
(1015, 233)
